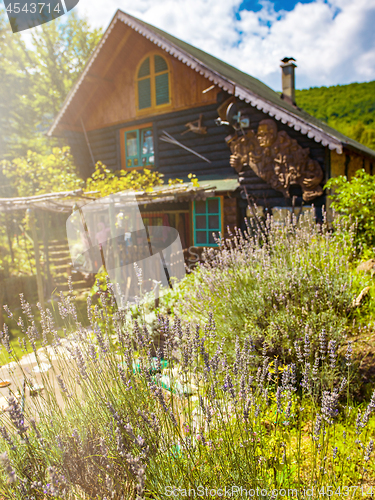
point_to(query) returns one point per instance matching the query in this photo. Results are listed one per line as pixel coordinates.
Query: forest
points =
(350, 109)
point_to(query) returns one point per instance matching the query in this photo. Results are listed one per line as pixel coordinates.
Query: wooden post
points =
(39, 278)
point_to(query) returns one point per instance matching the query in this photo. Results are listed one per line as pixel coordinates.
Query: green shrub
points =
(354, 202)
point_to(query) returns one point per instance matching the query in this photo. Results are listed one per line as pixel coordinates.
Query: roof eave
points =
(277, 112)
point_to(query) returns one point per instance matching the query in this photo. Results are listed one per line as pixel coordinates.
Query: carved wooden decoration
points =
(196, 127)
(278, 159)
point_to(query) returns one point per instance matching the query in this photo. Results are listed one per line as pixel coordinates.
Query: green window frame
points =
(139, 148)
(207, 220)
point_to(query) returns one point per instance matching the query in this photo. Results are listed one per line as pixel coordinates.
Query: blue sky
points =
(333, 41)
(278, 5)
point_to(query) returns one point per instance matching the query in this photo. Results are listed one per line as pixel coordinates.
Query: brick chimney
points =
(288, 79)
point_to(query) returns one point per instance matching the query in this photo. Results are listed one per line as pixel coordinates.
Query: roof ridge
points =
(229, 78)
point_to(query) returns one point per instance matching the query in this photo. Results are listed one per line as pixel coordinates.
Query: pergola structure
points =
(68, 201)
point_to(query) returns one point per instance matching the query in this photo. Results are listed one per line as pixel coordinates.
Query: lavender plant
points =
(121, 418)
(298, 282)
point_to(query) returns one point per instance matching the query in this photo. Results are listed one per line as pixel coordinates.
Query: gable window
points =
(207, 220)
(137, 148)
(153, 83)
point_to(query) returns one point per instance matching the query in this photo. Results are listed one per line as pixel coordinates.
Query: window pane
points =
(201, 237)
(162, 89)
(144, 93)
(132, 144)
(200, 207)
(213, 206)
(147, 147)
(213, 222)
(200, 222)
(144, 70)
(160, 64)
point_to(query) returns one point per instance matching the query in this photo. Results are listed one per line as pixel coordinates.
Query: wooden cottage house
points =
(148, 99)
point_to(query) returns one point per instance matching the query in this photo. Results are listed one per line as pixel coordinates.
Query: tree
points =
(354, 200)
(38, 173)
(107, 182)
(36, 79)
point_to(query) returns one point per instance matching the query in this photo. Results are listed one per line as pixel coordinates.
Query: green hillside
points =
(349, 109)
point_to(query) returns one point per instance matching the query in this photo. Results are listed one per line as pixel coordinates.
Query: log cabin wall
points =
(348, 163)
(231, 215)
(170, 160)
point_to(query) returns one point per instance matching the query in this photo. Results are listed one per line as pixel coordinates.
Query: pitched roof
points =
(230, 79)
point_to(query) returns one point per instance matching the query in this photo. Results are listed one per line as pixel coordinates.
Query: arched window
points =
(153, 83)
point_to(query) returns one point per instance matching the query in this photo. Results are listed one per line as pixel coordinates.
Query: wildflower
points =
(315, 368)
(6, 338)
(5, 462)
(8, 311)
(343, 384)
(298, 352)
(228, 386)
(57, 485)
(36, 430)
(99, 336)
(81, 363)
(332, 353)
(62, 385)
(368, 451)
(323, 343)
(329, 405)
(285, 378)
(92, 353)
(288, 411)
(16, 415)
(5, 435)
(26, 308)
(242, 392)
(139, 471)
(348, 355)
(307, 346)
(317, 427)
(370, 408)
(305, 380)
(358, 421)
(334, 452)
(293, 376)
(77, 437)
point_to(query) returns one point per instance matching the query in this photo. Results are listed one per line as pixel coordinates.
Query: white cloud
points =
(333, 41)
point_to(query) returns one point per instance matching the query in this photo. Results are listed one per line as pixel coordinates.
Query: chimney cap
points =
(287, 59)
